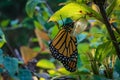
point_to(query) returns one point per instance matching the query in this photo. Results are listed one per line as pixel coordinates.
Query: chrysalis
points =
(79, 26)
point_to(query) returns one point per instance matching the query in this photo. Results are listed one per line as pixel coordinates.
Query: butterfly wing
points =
(64, 48)
(71, 64)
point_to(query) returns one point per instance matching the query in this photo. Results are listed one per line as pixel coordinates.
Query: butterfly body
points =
(64, 47)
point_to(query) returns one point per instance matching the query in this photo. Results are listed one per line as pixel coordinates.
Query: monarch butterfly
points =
(64, 47)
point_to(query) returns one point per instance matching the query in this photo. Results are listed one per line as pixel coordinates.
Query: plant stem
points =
(110, 31)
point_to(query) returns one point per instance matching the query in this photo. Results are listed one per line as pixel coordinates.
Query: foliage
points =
(75, 11)
(11, 69)
(25, 55)
(99, 49)
(44, 64)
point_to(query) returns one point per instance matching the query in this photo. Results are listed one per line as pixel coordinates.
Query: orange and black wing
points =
(64, 48)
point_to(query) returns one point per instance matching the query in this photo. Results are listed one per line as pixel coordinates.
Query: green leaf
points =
(25, 74)
(63, 71)
(11, 65)
(96, 37)
(2, 38)
(52, 72)
(111, 7)
(46, 64)
(95, 30)
(54, 30)
(97, 77)
(37, 48)
(117, 65)
(5, 23)
(30, 7)
(117, 6)
(38, 25)
(83, 48)
(1, 56)
(83, 70)
(79, 62)
(104, 50)
(74, 11)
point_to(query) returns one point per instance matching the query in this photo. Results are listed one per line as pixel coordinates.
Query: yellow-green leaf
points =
(74, 11)
(117, 4)
(63, 71)
(38, 25)
(46, 64)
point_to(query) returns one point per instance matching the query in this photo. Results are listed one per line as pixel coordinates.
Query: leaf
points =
(74, 11)
(38, 25)
(83, 70)
(95, 7)
(96, 35)
(37, 49)
(11, 65)
(46, 51)
(1, 71)
(95, 30)
(111, 7)
(117, 65)
(96, 77)
(45, 64)
(1, 57)
(27, 54)
(117, 6)
(79, 62)
(103, 51)
(83, 48)
(54, 31)
(5, 23)
(53, 72)
(41, 21)
(63, 71)
(2, 38)
(25, 74)
(81, 37)
(42, 78)
(41, 35)
(30, 7)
